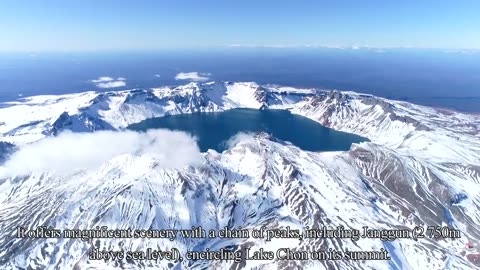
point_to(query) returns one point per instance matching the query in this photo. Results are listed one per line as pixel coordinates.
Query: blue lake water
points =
(213, 130)
(430, 77)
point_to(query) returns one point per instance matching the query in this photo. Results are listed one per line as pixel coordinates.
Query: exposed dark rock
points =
(82, 122)
(6, 149)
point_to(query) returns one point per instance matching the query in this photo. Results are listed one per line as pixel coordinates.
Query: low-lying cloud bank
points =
(70, 151)
(237, 138)
(109, 82)
(193, 76)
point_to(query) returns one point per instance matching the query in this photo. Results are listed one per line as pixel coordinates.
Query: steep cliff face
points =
(5, 150)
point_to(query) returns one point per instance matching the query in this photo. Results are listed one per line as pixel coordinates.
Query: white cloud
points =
(109, 82)
(193, 76)
(70, 151)
(113, 84)
(157, 75)
(103, 79)
(239, 137)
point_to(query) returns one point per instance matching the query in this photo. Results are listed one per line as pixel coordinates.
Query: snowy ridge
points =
(420, 169)
(35, 117)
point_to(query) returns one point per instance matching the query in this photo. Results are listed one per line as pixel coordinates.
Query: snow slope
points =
(421, 168)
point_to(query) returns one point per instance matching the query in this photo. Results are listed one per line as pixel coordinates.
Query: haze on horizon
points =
(88, 25)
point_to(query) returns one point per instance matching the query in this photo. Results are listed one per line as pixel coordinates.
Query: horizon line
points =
(245, 46)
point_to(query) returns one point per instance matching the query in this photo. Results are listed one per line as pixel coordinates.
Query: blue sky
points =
(88, 25)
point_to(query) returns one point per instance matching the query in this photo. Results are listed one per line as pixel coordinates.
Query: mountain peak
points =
(419, 169)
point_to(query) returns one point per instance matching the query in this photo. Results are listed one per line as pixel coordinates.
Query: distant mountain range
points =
(420, 168)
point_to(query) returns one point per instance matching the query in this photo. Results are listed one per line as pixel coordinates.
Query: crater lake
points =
(214, 129)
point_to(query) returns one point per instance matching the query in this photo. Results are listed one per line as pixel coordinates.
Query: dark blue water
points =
(430, 77)
(213, 130)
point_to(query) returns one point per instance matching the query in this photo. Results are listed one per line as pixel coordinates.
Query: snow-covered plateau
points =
(421, 167)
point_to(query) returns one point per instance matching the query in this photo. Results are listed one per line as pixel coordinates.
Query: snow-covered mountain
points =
(420, 168)
(34, 118)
